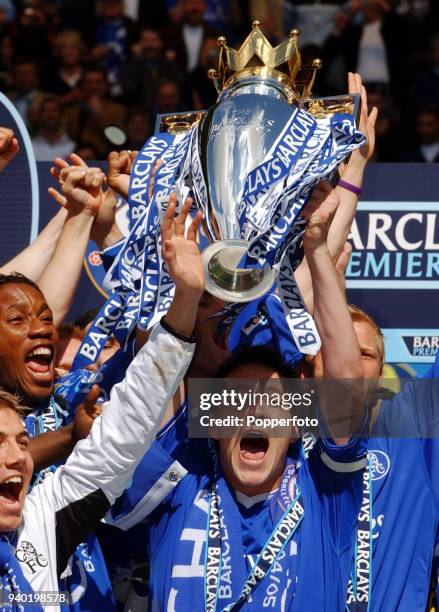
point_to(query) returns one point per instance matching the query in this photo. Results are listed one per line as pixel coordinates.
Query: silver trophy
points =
(259, 91)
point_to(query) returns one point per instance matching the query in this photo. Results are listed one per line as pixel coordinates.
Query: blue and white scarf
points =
(228, 561)
(13, 582)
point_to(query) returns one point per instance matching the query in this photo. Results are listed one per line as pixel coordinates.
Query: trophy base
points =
(227, 282)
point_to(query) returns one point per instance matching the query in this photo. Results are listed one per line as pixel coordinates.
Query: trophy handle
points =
(320, 108)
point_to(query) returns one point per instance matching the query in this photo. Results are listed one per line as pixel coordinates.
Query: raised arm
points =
(101, 466)
(340, 350)
(353, 172)
(353, 175)
(82, 189)
(33, 260)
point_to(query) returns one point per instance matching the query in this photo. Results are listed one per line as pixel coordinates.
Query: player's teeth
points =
(41, 351)
(14, 480)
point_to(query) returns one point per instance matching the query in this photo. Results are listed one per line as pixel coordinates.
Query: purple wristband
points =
(350, 187)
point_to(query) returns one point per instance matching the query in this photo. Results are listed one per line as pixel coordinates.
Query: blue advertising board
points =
(394, 269)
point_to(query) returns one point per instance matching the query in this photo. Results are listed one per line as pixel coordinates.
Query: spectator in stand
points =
(69, 50)
(426, 147)
(142, 73)
(87, 120)
(270, 14)
(220, 14)
(313, 19)
(186, 37)
(8, 9)
(200, 92)
(137, 129)
(73, 14)
(51, 140)
(86, 151)
(425, 86)
(113, 35)
(368, 36)
(31, 33)
(421, 17)
(168, 97)
(153, 15)
(4, 25)
(26, 94)
(388, 140)
(6, 63)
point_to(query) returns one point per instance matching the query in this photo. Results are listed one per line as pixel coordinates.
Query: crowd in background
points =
(74, 67)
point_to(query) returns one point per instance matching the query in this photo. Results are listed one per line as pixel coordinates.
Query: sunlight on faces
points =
(28, 341)
(254, 465)
(16, 467)
(370, 352)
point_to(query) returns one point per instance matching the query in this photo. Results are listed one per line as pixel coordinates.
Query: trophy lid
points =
(258, 58)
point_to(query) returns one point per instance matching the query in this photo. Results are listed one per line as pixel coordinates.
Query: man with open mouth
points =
(39, 532)
(28, 345)
(247, 522)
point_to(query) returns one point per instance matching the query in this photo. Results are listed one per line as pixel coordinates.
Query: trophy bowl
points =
(259, 96)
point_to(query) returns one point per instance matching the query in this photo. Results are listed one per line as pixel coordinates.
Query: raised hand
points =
(319, 211)
(85, 414)
(9, 147)
(343, 261)
(367, 121)
(181, 253)
(55, 171)
(105, 230)
(82, 188)
(119, 168)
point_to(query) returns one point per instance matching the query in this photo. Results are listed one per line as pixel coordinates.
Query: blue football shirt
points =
(405, 496)
(175, 476)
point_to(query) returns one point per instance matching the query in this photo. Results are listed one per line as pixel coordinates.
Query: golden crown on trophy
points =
(257, 57)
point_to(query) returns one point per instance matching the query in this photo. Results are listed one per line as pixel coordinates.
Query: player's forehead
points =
(11, 423)
(20, 294)
(366, 334)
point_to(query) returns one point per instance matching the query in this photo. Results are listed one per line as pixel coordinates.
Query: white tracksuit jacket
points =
(68, 504)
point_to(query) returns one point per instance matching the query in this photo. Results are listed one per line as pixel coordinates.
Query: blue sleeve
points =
(109, 254)
(433, 372)
(345, 457)
(156, 476)
(337, 476)
(173, 436)
(414, 411)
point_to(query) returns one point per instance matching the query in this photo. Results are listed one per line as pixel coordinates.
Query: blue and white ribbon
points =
(273, 196)
(141, 287)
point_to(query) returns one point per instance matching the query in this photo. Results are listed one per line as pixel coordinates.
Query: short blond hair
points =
(11, 401)
(359, 316)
